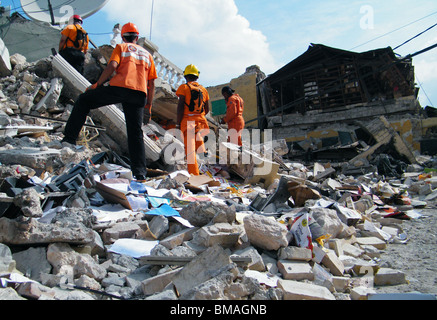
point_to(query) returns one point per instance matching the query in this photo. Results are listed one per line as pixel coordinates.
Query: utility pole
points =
(151, 19)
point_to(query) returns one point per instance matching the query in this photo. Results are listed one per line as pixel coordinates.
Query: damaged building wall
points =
(245, 86)
(325, 97)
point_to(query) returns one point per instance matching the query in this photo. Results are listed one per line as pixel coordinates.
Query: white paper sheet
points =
(133, 247)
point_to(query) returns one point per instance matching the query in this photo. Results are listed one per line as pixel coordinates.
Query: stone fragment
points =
(7, 263)
(328, 220)
(201, 269)
(29, 201)
(200, 214)
(158, 226)
(295, 270)
(361, 293)
(28, 231)
(157, 283)
(9, 294)
(122, 230)
(295, 290)
(372, 241)
(257, 262)
(66, 261)
(178, 238)
(341, 284)
(265, 233)
(389, 277)
(295, 253)
(222, 234)
(333, 263)
(32, 262)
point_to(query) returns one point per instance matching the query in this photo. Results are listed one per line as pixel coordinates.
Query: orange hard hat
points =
(129, 28)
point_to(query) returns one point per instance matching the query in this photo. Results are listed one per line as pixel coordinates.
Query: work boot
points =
(140, 178)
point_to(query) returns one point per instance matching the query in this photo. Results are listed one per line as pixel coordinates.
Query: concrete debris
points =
(75, 225)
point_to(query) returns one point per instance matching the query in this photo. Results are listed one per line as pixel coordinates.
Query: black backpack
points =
(81, 39)
(197, 105)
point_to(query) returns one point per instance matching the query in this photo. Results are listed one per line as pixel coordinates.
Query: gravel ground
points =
(417, 258)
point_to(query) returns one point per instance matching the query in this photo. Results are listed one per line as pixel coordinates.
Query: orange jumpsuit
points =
(234, 118)
(194, 127)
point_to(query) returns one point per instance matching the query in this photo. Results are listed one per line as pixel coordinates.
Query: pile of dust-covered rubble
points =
(74, 225)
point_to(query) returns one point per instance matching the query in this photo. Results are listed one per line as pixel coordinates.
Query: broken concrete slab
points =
(32, 232)
(200, 214)
(295, 270)
(295, 290)
(223, 234)
(201, 269)
(389, 277)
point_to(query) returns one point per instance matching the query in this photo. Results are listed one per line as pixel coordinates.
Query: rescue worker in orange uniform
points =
(234, 115)
(133, 86)
(74, 44)
(193, 107)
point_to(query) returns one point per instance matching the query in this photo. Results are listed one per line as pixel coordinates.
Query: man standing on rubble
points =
(74, 42)
(193, 107)
(234, 115)
(133, 86)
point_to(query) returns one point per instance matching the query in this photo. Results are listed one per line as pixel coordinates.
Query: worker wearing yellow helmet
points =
(192, 109)
(133, 86)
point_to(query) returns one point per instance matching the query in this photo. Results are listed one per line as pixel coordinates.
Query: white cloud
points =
(210, 34)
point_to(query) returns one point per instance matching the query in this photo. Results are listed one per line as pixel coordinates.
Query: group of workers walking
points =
(133, 86)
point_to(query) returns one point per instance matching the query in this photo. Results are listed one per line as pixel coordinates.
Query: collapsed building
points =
(327, 97)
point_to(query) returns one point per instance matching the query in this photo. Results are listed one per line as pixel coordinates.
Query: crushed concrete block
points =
(372, 241)
(361, 293)
(257, 262)
(389, 277)
(158, 226)
(200, 214)
(32, 262)
(178, 238)
(295, 270)
(35, 291)
(220, 287)
(294, 290)
(328, 220)
(10, 294)
(223, 234)
(30, 203)
(7, 263)
(5, 60)
(201, 269)
(66, 261)
(295, 253)
(27, 231)
(341, 284)
(265, 233)
(333, 263)
(123, 230)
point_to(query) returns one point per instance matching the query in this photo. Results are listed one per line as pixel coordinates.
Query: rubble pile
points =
(74, 225)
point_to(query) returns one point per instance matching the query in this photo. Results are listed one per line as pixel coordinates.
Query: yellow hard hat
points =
(191, 70)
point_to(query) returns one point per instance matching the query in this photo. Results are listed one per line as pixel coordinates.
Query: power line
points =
(416, 36)
(400, 28)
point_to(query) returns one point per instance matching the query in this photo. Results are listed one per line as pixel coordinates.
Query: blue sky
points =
(224, 37)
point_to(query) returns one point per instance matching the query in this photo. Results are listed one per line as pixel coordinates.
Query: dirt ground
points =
(417, 258)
